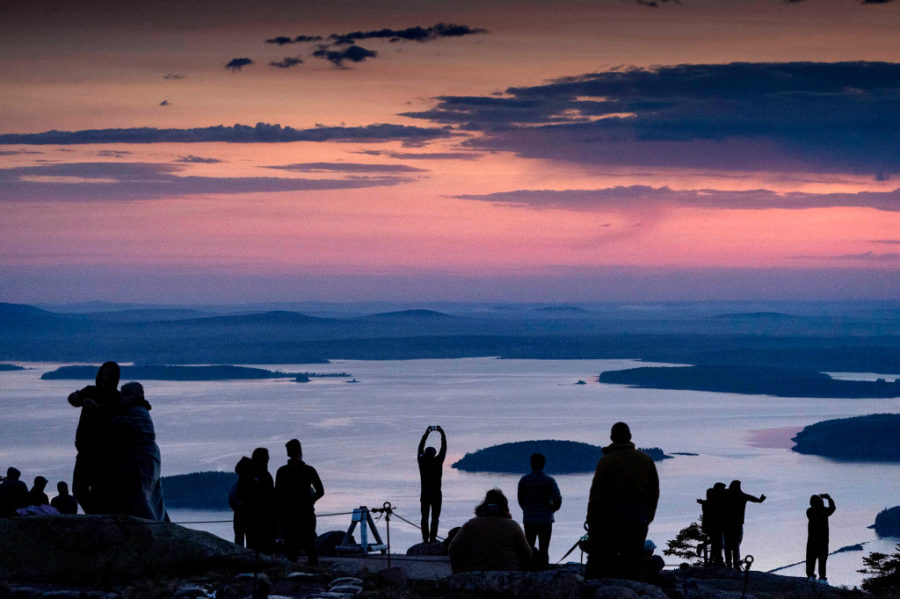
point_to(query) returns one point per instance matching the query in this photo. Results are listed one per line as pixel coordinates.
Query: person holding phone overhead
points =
(431, 464)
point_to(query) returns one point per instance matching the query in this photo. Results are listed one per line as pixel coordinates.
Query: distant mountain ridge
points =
(828, 343)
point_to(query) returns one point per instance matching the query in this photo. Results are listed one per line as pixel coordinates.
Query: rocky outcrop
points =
(108, 548)
(549, 584)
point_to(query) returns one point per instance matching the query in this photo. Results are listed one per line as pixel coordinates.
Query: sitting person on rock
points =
(491, 540)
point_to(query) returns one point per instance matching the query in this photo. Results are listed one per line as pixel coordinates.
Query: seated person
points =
(491, 540)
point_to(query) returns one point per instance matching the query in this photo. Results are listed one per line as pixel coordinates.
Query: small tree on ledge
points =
(691, 543)
(885, 571)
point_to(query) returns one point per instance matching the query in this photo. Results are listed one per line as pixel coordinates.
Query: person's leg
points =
(309, 540)
(543, 534)
(435, 518)
(425, 507)
(715, 547)
(823, 557)
(810, 560)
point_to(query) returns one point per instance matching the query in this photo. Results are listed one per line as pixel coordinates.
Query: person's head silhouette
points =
(13, 473)
(40, 483)
(294, 449)
(108, 376)
(62, 487)
(538, 461)
(260, 457)
(816, 501)
(620, 433)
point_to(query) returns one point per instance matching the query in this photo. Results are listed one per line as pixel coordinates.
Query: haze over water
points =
(362, 439)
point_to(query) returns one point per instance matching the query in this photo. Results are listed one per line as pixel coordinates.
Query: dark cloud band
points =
(261, 133)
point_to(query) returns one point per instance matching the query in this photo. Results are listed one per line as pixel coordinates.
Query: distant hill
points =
(141, 315)
(274, 317)
(562, 309)
(407, 314)
(199, 490)
(887, 522)
(563, 457)
(169, 373)
(779, 382)
(10, 367)
(872, 438)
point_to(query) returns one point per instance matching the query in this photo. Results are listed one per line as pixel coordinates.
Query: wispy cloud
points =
(800, 116)
(642, 198)
(424, 155)
(338, 57)
(191, 159)
(115, 182)
(113, 153)
(260, 133)
(173, 76)
(414, 34)
(236, 64)
(286, 63)
(347, 167)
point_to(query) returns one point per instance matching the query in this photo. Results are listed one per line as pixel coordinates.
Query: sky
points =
(189, 151)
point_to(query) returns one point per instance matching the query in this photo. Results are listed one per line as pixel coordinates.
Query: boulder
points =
(436, 548)
(109, 549)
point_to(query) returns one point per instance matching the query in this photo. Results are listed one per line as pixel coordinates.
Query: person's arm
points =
(556, 496)
(421, 450)
(759, 499)
(519, 493)
(654, 492)
(830, 509)
(443, 452)
(318, 489)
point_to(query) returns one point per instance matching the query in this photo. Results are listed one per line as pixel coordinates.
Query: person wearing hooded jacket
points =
(97, 403)
(491, 540)
(621, 505)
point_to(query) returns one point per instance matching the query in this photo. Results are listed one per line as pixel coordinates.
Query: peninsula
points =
(563, 457)
(170, 373)
(871, 438)
(750, 380)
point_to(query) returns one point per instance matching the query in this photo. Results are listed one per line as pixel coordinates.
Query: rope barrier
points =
(231, 520)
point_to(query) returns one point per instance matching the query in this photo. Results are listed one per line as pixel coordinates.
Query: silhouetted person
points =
(712, 521)
(539, 498)
(64, 502)
(621, 506)
(260, 504)
(733, 524)
(237, 498)
(491, 540)
(431, 464)
(298, 488)
(817, 540)
(36, 495)
(13, 493)
(97, 403)
(133, 458)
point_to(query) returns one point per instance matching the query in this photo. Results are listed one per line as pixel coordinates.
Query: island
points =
(199, 490)
(751, 380)
(872, 438)
(563, 457)
(170, 373)
(10, 367)
(887, 522)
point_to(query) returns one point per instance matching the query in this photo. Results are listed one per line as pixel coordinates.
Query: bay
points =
(362, 438)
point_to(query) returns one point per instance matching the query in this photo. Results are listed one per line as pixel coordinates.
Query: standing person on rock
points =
(431, 464)
(298, 487)
(97, 403)
(260, 503)
(817, 539)
(622, 503)
(539, 498)
(733, 523)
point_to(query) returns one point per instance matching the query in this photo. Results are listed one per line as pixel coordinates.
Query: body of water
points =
(362, 438)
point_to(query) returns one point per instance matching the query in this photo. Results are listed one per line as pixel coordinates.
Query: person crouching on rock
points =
(491, 540)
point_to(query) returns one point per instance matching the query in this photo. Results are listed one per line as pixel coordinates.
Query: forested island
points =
(10, 367)
(778, 382)
(199, 490)
(887, 522)
(170, 373)
(563, 457)
(872, 438)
